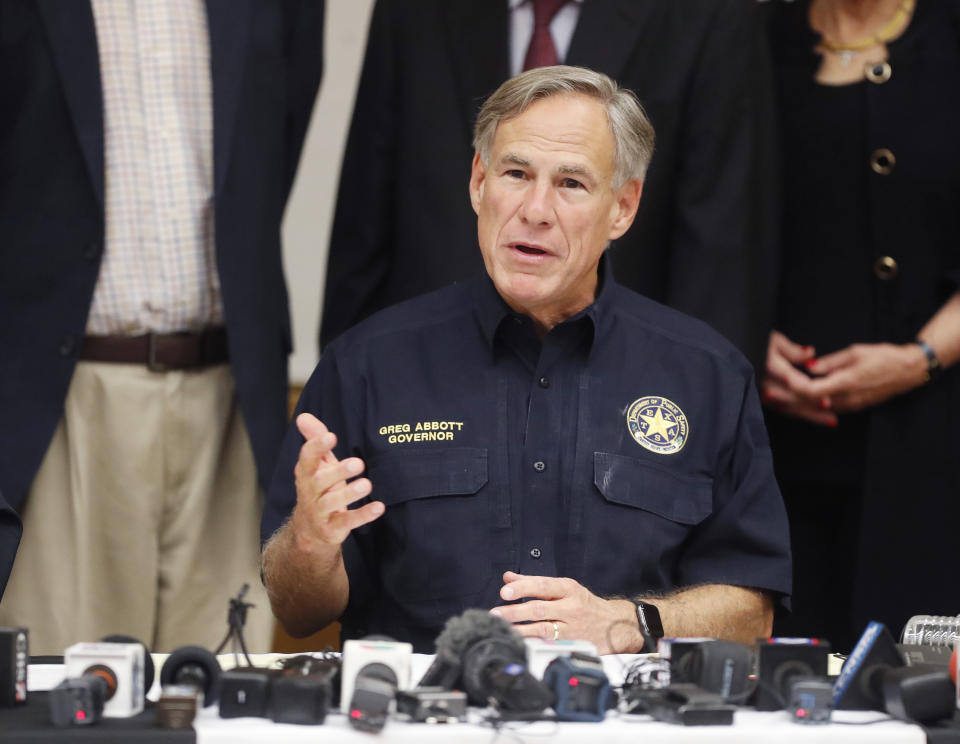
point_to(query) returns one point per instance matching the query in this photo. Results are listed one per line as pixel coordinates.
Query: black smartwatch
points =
(648, 617)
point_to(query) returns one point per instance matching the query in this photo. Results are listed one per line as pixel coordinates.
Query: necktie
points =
(542, 52)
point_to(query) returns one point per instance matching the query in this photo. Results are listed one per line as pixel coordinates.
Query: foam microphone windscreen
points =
(459, 634)
(195, 666)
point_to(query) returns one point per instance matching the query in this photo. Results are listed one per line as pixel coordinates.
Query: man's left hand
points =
(562, 608)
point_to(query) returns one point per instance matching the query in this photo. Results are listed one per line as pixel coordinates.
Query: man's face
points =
(546, 207)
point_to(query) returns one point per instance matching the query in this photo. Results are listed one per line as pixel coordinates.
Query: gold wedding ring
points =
(556, 631)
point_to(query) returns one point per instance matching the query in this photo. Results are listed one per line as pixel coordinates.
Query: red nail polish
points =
(824, 403)
(809, 364)
(833, 423)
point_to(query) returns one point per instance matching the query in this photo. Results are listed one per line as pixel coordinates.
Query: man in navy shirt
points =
(537, 434)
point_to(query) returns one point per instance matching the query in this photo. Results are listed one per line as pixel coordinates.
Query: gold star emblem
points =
(657, 424)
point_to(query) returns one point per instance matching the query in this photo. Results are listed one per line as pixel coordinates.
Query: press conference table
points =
(749, 725)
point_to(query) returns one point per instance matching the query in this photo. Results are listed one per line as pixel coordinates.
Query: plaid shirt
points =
(159, 267)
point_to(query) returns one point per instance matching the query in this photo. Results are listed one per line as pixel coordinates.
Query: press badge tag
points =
(658, 424)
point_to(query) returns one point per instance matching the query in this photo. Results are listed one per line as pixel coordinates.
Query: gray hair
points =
(632, 131)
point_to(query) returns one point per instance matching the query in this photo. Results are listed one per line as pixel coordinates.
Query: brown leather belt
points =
(160, 351)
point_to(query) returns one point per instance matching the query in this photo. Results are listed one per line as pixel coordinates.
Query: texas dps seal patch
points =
(658, 424)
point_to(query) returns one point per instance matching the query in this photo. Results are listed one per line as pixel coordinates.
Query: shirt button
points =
(535, 552)
(539, 466)
(67, 344)
(886, 268)
(91, 250)
(882, 161)
(878, 72)
(544, 382)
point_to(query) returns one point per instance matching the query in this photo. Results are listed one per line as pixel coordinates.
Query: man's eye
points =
(572, 183)
(515, 173)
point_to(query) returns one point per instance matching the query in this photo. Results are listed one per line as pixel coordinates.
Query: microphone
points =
(189, 679)
(860, 684)
(918, 694)
(149, 670)
(373, 670)
(195, 667)
(101, 679)
(720, 667)
(484, 654)
(780, 662)
(931, 630)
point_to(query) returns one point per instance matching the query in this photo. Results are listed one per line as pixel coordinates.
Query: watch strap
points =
(648, 619)
(933, 362)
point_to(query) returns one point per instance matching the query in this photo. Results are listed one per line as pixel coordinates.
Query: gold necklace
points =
(885, 33)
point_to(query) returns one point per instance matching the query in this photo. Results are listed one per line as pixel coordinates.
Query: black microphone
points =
(195, 667)
(920, 695)
(148, 668)
(488, 658)
(373, 669)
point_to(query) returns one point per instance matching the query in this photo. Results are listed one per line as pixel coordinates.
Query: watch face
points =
(652, 615)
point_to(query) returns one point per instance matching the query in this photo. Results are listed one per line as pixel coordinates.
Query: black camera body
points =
(78, 701)
(434, 704)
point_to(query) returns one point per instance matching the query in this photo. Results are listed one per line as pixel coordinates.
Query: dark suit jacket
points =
(265, 65)
(10, 532)
(703, 240)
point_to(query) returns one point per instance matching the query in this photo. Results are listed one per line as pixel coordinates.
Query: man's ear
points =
(478, 175)
(625, 207)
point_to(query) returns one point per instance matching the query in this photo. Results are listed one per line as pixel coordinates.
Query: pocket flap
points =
(631, 482)
(405, 476)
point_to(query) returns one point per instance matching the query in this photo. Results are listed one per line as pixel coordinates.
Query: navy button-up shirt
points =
(625, 450)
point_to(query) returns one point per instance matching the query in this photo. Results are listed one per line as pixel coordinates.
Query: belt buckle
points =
(152, 364)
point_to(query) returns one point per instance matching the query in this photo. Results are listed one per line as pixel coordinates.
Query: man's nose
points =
(538, 206)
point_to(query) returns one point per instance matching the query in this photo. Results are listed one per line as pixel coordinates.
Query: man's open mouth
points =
(529, 249)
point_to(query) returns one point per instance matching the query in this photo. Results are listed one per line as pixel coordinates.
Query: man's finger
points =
(310, 426)
(535, 609)
(353, 518)
(540, 587)
(317, 450)
(543, 630)
(332, 475)
(340, 498)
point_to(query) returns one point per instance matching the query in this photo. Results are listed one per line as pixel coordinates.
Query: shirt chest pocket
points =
(436, 530)
(676, 497)
(637, 522)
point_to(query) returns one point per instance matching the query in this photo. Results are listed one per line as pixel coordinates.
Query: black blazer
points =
(265, 66)
(703, 240)
(10, 532)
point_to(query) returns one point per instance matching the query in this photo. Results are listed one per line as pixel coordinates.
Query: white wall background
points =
(306, 227)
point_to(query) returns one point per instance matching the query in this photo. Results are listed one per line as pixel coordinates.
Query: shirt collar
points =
(492, 310)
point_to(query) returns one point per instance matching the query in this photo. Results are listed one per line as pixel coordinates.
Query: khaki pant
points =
(144, 516)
